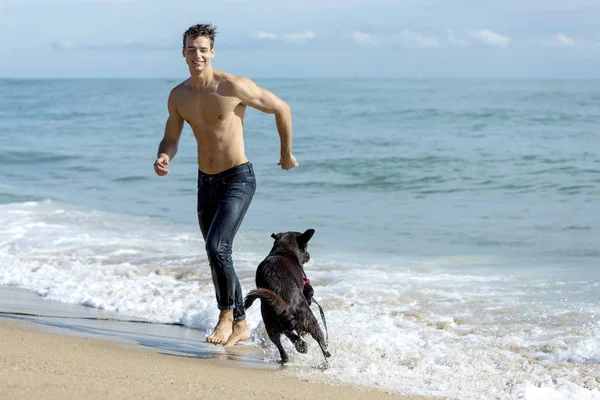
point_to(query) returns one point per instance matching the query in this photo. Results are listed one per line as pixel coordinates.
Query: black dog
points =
(286, 293)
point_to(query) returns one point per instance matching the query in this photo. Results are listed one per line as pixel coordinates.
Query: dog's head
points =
(296, 241)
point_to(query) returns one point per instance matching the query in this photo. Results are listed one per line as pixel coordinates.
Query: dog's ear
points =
(305, 237)
(275, 236)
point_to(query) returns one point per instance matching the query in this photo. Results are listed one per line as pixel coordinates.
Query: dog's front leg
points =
(310, 325)
(299, 344)
(317, 334)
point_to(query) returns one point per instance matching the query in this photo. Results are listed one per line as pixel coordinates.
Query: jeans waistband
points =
(228, 173)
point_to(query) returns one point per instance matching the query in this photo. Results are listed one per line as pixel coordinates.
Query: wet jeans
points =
(223, 200)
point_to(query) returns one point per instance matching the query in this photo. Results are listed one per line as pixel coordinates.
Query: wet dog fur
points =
(285, 297)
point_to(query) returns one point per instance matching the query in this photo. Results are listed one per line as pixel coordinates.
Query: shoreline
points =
(78, 352)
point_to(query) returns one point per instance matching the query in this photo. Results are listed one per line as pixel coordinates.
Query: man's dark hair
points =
(198, 30)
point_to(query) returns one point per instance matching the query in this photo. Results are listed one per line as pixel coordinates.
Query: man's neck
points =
(202, 79)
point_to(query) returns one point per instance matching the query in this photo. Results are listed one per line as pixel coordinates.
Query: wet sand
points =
(53, 350)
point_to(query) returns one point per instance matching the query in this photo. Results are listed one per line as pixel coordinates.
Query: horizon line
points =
(343, 77)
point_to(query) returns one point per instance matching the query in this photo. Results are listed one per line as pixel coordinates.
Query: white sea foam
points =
(429, 327)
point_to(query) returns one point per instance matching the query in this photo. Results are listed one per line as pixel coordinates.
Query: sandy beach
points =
(76, 353)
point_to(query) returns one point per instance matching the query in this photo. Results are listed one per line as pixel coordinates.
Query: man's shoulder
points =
(233, 84)
(178, 91)
(180, 87)
(230, 78)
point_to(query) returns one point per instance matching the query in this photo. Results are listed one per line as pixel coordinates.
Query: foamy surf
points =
(423, 326)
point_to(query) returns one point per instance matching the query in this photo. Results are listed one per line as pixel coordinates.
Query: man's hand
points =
(288, 161)
(160, 165)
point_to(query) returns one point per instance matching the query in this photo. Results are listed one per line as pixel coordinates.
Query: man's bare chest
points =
(207, 108)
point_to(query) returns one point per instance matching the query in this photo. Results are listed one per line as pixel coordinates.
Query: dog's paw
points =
(301, 346)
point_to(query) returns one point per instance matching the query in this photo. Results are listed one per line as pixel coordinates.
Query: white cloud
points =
(300, 38)
(557, 5)
(126, 44)
(490, 38)
(363, 38)
(560, 40)
(53, 3)
(452, 39)
(63, 45)
(265, 35)
(418, 40)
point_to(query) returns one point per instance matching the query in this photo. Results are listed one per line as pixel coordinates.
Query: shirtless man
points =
(213, 103)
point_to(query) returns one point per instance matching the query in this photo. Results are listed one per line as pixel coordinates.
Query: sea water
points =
(456, 250)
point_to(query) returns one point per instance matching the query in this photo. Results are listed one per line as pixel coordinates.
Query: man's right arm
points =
(168, 146)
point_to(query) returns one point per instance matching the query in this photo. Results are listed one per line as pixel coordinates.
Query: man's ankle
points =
(226, 315)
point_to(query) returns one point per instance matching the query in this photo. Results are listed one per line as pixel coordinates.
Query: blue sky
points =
(287, 38)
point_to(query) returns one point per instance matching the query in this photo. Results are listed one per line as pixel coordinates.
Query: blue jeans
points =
(223, 200)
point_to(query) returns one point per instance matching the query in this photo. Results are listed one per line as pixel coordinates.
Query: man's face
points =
(197, 52)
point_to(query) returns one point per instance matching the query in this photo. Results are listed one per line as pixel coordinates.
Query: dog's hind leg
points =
(276, 339)
(299, 344)
(274, 333)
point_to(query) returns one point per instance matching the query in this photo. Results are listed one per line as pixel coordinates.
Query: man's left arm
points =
(261, 99)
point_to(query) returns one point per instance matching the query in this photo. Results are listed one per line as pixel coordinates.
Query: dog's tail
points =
(275, 301)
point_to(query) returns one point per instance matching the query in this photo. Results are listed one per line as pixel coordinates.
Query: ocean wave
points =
(33, 157)
(439, 326)
(131, 179)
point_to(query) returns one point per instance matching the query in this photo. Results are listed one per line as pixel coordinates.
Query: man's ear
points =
(305, 237)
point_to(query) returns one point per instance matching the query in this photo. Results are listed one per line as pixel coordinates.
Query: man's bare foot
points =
(224, 328)
(240, 333)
